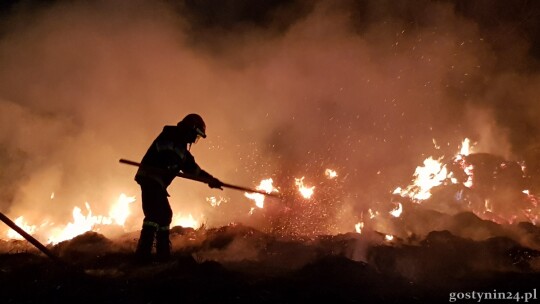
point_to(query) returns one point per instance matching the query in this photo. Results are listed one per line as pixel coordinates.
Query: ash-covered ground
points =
(239, 264)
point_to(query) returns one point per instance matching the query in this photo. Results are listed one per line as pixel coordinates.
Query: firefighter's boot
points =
(144, 246)
(163, 244)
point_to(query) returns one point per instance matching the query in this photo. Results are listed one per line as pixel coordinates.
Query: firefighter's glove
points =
(215, 183)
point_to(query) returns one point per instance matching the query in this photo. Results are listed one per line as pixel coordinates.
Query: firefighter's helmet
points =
(195, 122)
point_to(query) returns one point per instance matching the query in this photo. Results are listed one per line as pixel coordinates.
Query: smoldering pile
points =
(237, 263)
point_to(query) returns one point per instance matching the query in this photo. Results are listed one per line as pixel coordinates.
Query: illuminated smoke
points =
(362, 88)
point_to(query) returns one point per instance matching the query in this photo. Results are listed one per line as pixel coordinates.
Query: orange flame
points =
(266, 186)
(305, 191)
(185, 221)
(81, 223)
(120, 211)
(466, 148)
(397, 212)
(30, 229)
(358, 227)
(331, 174)
(433, 173)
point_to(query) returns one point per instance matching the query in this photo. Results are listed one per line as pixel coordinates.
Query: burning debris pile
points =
(240, 264)
(452, 229)
(330, 105)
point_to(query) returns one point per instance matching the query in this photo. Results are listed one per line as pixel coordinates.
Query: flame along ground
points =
(120, 211)
(433, 173)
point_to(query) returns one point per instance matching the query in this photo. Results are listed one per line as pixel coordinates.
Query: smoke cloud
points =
(287, 89)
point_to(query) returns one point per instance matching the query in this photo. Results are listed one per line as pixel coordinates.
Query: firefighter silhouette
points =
(168, 155)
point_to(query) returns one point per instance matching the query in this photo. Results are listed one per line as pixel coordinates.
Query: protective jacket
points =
(167, 156)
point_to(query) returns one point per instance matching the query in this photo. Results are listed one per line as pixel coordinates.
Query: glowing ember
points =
(331, 174)
(523, 167)
(215, 202)
(488, 206)
(397, 212)
(306, 192)
(185, 221)
(30, 229)
(435, 144)
(266, 186)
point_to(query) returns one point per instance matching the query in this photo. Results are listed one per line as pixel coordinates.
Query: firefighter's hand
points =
(215, 183)
(173, 168)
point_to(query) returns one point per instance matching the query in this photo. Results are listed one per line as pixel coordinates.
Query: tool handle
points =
(200, 179)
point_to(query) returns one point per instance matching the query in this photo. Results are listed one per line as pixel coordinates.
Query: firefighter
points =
(168, 154)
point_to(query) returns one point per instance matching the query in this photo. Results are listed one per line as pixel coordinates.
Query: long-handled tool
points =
(30, 238)
(201, 179)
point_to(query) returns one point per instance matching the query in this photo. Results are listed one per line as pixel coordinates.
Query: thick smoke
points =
(287, 88)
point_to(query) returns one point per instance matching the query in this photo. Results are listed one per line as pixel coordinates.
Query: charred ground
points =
(238, 264)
